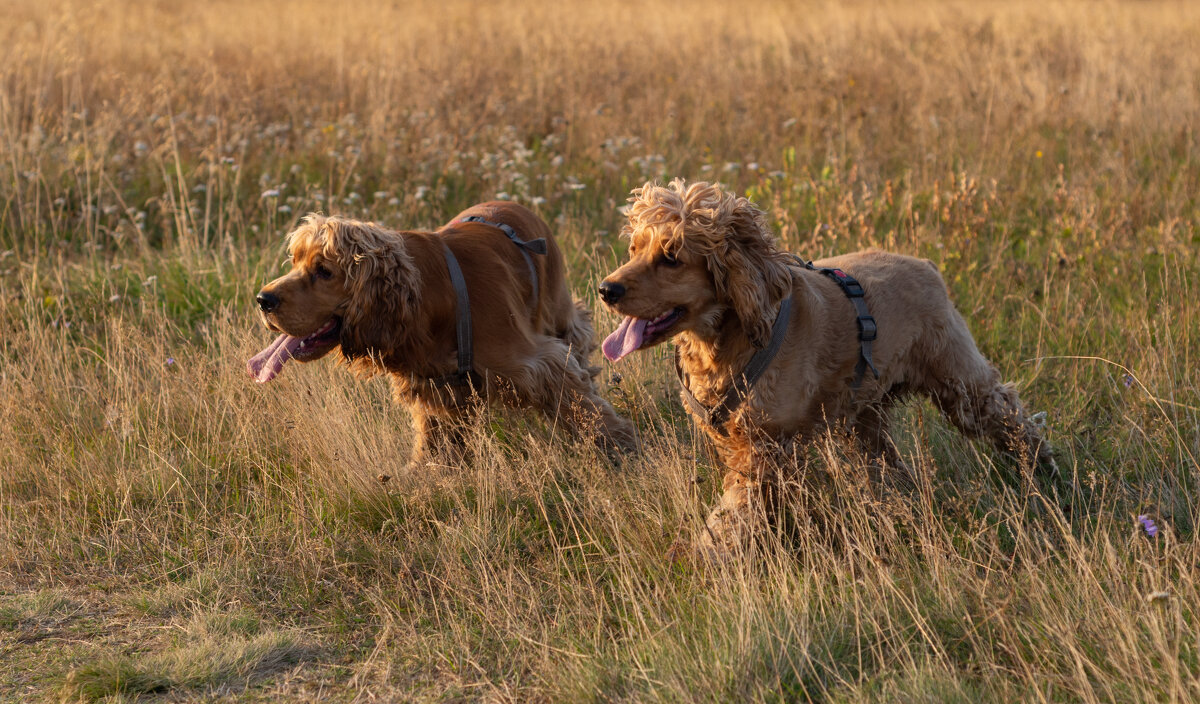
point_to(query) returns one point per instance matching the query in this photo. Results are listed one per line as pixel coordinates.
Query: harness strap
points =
(462, 323)
(741, 385)
(465, 374)
(867, 329)
(537, 246)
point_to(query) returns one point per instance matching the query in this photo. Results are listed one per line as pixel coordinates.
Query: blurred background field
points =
(170, 530)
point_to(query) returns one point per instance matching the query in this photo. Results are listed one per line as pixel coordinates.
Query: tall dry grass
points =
(155, 504)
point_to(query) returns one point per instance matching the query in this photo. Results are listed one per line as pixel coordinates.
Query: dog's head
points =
(696, 253)
(351, 285)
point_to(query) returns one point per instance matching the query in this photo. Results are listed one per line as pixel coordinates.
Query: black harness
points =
(733, 397)
(736, 393)
(867, 330)
(465, 375)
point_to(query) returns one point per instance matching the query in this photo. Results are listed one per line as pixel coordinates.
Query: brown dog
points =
(704, 269)
(387, 301)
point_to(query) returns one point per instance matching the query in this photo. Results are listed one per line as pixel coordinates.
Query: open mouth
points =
(267, 364)
(320, 342)
(636, 333)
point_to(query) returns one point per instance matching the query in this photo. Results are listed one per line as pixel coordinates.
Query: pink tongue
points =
(266, 365)
(627, 338)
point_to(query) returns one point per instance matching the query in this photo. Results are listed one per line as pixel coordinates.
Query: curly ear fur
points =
(748, 271)
(383, 283)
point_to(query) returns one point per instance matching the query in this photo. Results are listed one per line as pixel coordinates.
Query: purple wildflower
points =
(170, 361)
(1128, 379)
(1148, 524)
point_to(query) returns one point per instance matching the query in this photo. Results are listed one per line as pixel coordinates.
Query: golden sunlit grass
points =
(170, 529)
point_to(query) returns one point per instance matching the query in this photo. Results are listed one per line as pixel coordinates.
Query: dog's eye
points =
(668, 259)
(322, 273)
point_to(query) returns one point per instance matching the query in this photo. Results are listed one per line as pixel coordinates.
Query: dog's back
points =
(898, 286)
(918, 323)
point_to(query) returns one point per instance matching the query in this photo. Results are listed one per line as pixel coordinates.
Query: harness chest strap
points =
(465, 374)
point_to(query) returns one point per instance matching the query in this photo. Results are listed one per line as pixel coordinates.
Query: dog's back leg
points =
(968, 389)
(551, 379)
(576, 330)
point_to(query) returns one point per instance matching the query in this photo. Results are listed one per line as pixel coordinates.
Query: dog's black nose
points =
(267, 301)
(611, 291)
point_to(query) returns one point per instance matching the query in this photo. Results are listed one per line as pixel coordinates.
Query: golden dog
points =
(386, 300)
(704, 269)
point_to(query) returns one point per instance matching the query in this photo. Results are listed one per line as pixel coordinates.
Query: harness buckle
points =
(867, 330)
(852, 288)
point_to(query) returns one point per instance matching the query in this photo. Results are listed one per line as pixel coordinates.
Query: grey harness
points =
(537, 246)
(465, 375)
(733, 397)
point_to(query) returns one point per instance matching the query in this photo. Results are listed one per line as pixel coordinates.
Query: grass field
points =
(170, 530)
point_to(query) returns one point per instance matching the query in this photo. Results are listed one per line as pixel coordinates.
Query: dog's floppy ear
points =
(383, 283)
(748, 271)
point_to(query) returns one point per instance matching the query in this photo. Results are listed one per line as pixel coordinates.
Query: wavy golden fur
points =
(388, 299)
(705, 270)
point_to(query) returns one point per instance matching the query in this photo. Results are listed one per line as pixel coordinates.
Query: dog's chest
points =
(779, 406)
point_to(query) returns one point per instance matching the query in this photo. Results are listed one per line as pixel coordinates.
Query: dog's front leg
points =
(438, 440)
(750, 492)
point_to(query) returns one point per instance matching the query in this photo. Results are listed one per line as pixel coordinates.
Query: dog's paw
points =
(699, 554)
(681, 553)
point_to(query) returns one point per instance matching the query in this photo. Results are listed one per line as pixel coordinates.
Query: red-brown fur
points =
(730, 278)
(392, 292)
